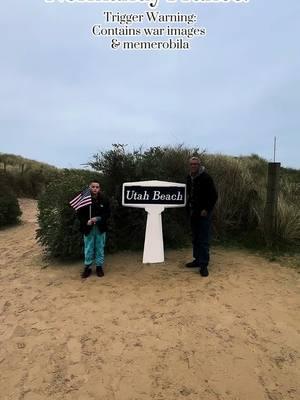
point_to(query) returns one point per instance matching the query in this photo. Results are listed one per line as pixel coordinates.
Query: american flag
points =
(82, 199)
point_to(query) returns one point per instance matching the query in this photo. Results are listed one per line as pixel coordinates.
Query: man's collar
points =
(200, 171)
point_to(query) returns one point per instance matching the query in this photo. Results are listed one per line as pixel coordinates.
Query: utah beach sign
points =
(154, 197)
(170, 195)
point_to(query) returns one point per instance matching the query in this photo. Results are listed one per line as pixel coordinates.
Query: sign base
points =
(154, 242)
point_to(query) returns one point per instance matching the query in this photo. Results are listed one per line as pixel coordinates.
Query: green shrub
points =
(9, 207)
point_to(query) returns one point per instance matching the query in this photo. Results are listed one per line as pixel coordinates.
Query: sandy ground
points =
(145, 331)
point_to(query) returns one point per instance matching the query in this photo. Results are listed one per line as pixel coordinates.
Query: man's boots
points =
(203, 270)
(192, 264)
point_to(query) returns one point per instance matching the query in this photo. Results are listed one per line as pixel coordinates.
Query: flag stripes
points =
(82, 199)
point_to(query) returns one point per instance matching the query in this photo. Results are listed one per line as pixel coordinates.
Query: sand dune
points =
(145, 331)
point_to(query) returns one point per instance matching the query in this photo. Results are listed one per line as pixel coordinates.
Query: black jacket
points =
(201, 194)
(99, 208)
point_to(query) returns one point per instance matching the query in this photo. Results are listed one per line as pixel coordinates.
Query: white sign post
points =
(154, 197)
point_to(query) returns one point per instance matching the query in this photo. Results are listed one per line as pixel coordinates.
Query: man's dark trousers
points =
(201, 227)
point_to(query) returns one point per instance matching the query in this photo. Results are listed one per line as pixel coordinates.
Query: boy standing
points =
(93, 224)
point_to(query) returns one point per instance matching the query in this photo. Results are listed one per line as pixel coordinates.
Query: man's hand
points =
(203, 213)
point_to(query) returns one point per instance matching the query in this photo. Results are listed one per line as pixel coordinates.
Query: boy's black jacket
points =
(201, 194)
(99, 208)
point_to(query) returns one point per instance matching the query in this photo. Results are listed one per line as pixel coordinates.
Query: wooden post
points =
(270, 216)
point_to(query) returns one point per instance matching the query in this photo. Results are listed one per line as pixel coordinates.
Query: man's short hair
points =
(195, 159)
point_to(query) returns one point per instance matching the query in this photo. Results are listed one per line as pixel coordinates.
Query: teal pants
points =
(94, 244)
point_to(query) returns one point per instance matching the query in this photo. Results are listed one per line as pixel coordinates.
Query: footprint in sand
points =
(19, 331)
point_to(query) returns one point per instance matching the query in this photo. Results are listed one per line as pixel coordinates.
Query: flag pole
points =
(91, 206)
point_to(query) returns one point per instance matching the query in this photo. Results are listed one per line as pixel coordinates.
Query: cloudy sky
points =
(66, 95)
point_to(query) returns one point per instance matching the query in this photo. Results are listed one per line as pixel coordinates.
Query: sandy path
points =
(145, 332)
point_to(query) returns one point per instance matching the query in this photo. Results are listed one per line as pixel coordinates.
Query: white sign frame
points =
(154, 244)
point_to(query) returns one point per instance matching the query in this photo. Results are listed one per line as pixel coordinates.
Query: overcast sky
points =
(66, 95)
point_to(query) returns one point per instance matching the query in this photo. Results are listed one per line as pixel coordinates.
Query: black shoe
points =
(99, 271)
(192, 264)
(204, 271)
(86, 272)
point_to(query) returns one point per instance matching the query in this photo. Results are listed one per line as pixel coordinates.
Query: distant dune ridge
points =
(13, 162)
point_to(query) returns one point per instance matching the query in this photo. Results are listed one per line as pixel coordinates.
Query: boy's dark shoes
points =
(99, 271)
(86, 272)
(204, 271)
(192, 264)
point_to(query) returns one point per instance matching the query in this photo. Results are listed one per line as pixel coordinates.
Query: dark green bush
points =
(9, 206)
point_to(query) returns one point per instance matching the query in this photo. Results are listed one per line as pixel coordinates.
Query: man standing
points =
(201, 199)
(93, 224)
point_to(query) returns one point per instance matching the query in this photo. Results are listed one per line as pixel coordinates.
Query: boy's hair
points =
(94, 181)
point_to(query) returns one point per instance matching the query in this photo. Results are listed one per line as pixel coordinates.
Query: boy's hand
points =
(92, 221)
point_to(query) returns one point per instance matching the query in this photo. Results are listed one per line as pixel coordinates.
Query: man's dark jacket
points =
(201, 194)
(99, 208)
